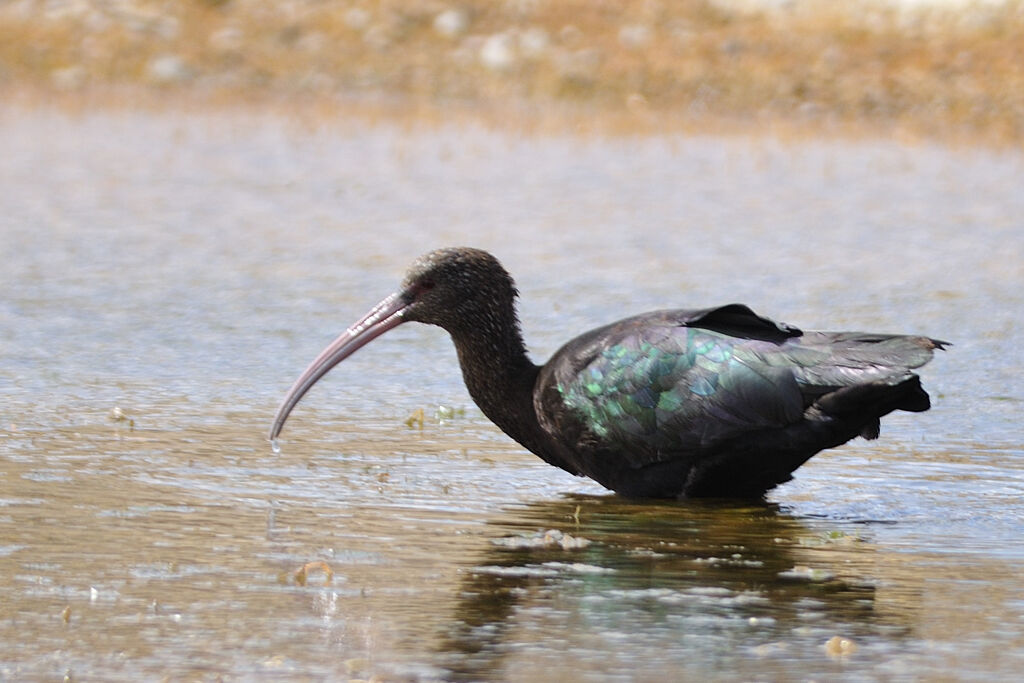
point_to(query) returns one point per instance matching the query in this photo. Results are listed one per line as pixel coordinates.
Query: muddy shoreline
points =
(932, 73)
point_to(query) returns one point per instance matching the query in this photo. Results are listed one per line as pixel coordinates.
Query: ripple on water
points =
(183, 268)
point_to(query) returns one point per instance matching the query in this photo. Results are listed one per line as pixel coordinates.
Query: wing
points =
(672, 382)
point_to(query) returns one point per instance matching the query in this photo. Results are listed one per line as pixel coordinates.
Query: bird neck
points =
(500, 378)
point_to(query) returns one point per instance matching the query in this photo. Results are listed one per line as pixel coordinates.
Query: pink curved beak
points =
(381, 318)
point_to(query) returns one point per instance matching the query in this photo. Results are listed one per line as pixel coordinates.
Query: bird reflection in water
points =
(695, 579)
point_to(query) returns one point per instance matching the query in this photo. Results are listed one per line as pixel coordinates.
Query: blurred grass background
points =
(931, 71)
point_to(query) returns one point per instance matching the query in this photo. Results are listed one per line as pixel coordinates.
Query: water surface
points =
(166, 277)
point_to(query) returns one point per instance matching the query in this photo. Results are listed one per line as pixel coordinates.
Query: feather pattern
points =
(684, 385)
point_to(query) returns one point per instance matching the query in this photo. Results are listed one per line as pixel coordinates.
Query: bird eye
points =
(426, 285)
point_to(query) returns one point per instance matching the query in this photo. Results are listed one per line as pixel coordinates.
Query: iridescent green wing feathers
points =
(683, 392)
(673, 382)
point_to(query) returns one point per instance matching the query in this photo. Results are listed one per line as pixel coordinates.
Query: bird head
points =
(459, 289)
(455, 288)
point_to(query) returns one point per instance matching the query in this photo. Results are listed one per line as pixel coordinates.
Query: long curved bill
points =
(381, 318)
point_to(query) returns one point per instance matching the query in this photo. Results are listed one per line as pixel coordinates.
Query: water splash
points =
(275, 446)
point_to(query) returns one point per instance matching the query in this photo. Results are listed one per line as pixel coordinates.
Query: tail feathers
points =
(870, 401)
(826, 360)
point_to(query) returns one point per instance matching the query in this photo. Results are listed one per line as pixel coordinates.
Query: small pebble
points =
(634, 36)
(451, 23)
(803, 573)
(498, 52)
(166, 69)
(357, 19)
(534, 42)
(840, 647)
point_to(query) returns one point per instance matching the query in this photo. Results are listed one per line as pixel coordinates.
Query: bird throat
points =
(500, 378)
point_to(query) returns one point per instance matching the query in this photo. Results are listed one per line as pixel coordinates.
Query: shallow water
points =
(166, 277)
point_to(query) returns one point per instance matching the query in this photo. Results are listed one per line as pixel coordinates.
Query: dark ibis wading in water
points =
(676, 403)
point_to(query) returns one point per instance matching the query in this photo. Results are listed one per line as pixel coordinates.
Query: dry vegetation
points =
(626, 64)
